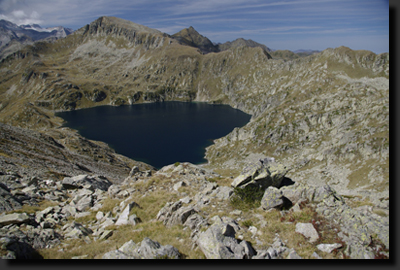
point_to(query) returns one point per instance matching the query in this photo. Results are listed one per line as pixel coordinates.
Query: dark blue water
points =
(157, 133)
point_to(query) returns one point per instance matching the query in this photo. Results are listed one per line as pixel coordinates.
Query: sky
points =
(285, 25)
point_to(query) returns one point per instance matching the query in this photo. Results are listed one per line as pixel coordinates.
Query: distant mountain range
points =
(14, 37)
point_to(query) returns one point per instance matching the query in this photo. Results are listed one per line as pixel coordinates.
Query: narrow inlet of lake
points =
(158, 133)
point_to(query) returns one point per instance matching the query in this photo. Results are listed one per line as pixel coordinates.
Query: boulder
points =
(262, 174)
(273, 198)
(77, 230)
(86, 181)
(116, 254)
(126, 218)
(15, 218)
(180, 216)
(84, 203)
(308, 230)
(293, 255)
(328, 248)
(147, 249)
(167, 210)
(219, 242)
(150, 249)
(224, 193)
(194, 221)
(7, 201)
(178, 185)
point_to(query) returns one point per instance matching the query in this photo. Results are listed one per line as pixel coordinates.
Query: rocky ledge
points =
(185, 211)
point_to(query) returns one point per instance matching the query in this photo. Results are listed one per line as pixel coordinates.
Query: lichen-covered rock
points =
(262, 174)
(273, 198)
(147, 249)
(328, 248)
(7, 201)
(308, 230)
(126, 218)
(86, 181)
(219, 242)
(15, 218)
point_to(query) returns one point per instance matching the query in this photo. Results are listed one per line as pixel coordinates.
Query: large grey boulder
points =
(174, 214)
(86, 181)
(328, 248)
(7, 201)
(150, 249)
(15, 218)
(180, 216)
(147, 249)
(219, 242)
(76, 230)
(126, 218)
(273, 198)
(266, 172)
(308, 230)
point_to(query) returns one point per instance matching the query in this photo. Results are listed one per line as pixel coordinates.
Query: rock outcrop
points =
(262, 174)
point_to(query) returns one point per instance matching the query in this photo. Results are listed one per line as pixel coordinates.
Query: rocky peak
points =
(240, 42)
(113, 24)
(189, 36)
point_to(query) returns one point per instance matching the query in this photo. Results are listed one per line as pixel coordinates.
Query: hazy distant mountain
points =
(14, 37)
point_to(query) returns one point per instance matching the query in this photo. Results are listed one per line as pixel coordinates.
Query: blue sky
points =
(290, 24)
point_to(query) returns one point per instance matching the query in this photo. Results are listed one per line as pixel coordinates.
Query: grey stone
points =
(99, 215)
(113, 190)
(179, 216)
(186, 200)
(84, 203)
(262, 254)
(224, 193)
(178, 185)
(116, 254)
(106, 234)
(77, 230)
(273, 198)
(218, 242)
(315, 255)
(107, 222)
(150, 249)
(261, 174)
(293, 255)
(7, 201)
(308, 230)
(328, 248)
(15, 218)
(194, 221)
(86, 181)
(124, 216)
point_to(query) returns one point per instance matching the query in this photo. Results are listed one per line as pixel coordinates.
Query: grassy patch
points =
(246, 198)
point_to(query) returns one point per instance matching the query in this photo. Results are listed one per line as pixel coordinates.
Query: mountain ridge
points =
(14, 37)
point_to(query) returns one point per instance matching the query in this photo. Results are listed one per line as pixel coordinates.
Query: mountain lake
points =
(159, 133)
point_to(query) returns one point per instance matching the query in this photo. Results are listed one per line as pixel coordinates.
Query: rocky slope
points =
(325, 117)
(180, 212)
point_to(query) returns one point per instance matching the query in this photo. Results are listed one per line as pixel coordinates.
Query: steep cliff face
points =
(325, 115)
